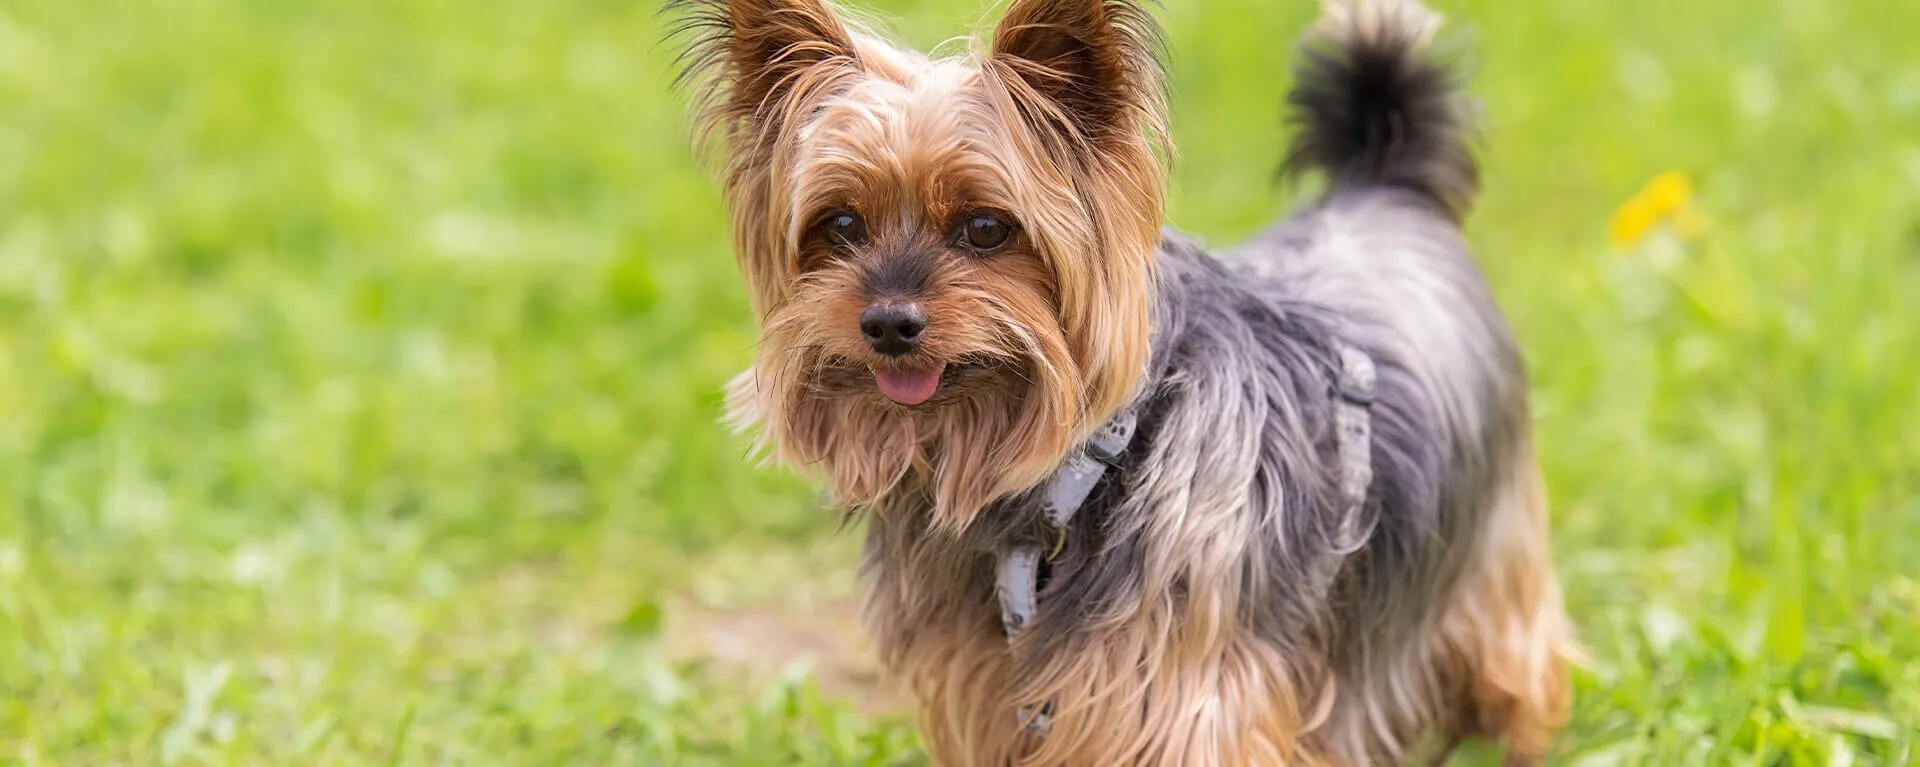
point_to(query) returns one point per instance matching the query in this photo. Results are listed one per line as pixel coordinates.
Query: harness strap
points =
(1353, 437)
(1017, 573)
(1017, 569)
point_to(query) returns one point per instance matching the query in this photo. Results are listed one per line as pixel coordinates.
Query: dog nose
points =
(892, 328)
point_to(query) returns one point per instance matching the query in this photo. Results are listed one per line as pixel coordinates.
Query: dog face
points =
(951, 259)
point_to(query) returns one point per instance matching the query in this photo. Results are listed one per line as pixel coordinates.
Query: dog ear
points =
(1090, 67)
(751, 57)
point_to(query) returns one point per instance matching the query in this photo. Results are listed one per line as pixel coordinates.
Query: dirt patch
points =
(764, 642)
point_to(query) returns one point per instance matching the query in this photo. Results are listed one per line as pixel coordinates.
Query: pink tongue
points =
(907, 387)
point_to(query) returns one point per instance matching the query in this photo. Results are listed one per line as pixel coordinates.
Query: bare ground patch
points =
(761, 617)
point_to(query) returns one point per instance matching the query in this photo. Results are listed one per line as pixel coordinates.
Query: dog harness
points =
(1017, 569)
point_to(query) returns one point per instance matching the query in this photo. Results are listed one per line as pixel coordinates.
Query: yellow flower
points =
(1631, 221)
(1668, 192)
(1666, 198)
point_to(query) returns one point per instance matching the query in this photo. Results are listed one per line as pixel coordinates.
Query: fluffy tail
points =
(1372, 105)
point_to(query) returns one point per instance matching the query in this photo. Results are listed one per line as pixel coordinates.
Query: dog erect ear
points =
(752, 56)
(1092, 64)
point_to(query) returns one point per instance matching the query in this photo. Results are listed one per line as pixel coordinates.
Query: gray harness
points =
(1017, 567)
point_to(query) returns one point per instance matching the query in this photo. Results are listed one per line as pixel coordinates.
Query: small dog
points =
(1129, 502)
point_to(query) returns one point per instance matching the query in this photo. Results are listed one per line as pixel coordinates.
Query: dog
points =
(1128, 501)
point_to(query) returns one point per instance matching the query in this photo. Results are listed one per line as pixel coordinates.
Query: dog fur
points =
(1213, 603)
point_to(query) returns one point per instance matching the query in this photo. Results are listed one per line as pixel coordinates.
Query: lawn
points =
(360, 369)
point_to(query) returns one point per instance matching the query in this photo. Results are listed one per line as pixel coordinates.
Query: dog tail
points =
(1372, 105)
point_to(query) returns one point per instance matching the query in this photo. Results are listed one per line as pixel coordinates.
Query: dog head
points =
(951, 259)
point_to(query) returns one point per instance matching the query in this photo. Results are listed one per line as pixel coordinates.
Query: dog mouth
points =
(911, 386)
(920, 383)
(914, 384)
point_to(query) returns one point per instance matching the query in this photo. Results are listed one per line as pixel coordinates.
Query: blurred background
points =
(360, 369)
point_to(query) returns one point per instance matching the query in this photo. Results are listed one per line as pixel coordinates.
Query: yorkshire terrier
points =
(1130, 502)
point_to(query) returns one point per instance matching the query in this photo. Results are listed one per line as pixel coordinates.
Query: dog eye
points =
(987, 232)
(844, 228)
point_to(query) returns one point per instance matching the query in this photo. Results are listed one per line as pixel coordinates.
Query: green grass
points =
(359, 371)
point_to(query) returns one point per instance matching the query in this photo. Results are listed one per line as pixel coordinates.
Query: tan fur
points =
(1510, 623)
(816, 116)
(1346, 24)
(1167, 686)
(1494, 664)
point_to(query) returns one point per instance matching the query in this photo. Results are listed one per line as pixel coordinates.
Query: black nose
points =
(892, 327)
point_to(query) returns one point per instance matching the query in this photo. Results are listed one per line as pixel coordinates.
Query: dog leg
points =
(1509, 625)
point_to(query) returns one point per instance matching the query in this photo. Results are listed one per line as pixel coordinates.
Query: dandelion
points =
(1667, 198)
